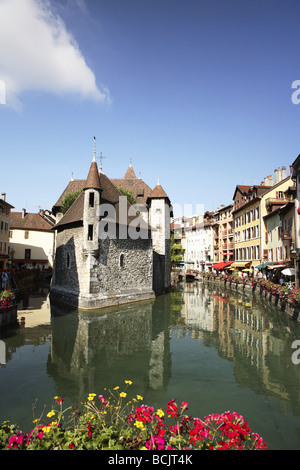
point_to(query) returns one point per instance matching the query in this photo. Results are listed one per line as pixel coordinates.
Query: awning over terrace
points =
(221, 265)
(241, 264)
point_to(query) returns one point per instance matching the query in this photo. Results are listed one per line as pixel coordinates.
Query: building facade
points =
(225, 232)
(247, 226)
(274, 198)
(5, 210)
(199, 242)
(32, 239)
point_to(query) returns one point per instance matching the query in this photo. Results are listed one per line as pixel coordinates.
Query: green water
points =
(217, 350)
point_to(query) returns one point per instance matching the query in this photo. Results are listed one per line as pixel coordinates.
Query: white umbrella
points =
(288, 272)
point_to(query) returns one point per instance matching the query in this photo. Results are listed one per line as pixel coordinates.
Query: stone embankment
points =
(292, 309)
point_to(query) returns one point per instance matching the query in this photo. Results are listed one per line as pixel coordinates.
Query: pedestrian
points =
(4, 280)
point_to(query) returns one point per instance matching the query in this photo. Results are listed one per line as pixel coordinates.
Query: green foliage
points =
(127, 193)
(68, 200)
(176, 251)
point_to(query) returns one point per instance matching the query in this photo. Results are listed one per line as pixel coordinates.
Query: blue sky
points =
(197, 92)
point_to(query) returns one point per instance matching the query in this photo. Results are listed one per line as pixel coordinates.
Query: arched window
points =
(122, 261)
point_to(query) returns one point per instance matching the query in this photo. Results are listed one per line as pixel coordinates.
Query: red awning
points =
(221, 265)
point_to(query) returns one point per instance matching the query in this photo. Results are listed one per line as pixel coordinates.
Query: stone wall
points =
(9, 316)
(119, 271)
(292, 310)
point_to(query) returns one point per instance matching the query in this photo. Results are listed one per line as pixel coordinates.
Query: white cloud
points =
(38, 53)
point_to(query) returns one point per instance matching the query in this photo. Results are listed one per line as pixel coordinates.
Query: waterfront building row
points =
(257, 227)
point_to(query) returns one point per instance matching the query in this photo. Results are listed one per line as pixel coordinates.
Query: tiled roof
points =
(110, 195)
(130, 173)
(93, 181)
(30, 221)
(72, 187)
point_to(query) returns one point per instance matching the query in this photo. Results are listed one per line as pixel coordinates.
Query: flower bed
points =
(283, 293)
(113, 424)
(8, 308)
(7, 299)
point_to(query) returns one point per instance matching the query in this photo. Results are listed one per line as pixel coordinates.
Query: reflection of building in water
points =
(97, 350)
(250, 334)
(224, 321)
(198, 309)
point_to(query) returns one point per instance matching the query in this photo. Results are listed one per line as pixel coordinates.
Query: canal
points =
(216, 349)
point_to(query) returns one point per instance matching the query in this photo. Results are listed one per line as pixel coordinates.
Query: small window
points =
(27, 253)
(121, 261)
(90, 232)
(92, 199)
(26, 235)
(68, 260)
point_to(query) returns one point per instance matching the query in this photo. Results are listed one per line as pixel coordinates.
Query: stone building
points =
(107, 253)
(5, 210)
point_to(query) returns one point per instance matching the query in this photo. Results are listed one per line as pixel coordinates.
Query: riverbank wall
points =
(8, 316)
(288, 307)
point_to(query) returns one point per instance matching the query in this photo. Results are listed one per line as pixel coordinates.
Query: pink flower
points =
(155, 443)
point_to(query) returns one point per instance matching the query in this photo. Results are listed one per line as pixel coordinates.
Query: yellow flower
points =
(143, 448)
(116, 388)
(91, 396)
(160, 413)
(123, 394)
(128, 382)
(139, 425)
(36, 420)
(139, 397)
(46, 429)
(50, 414)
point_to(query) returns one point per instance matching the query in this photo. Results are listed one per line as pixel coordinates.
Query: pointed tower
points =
(91, 209)
(159, 219)
(130, 174)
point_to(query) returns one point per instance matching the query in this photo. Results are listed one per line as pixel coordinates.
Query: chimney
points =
(283, 172)
(276, 175)
(23, 213)
(268, 181)
(3, 196)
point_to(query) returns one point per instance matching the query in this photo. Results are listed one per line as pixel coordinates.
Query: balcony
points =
(279, 200)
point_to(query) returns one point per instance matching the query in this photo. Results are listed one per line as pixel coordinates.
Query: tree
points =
(128, 194)
(68, 200)
(176, 251)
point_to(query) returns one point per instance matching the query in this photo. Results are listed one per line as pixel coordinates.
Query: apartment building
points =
(278, 196)
(32, 239)
(223, 234)
(247, 224)
(5, 209)
(279, 234)
(199, 242)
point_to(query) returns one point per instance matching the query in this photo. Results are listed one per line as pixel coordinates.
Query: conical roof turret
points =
(130, 173)
(93, 179)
